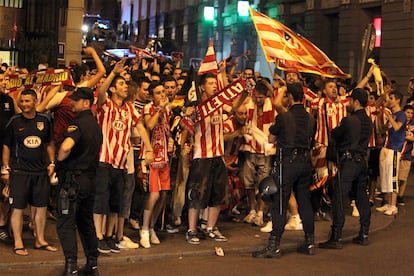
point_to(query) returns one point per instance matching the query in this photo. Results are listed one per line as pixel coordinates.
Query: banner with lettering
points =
(38, 79)
(208, 106)
(225, 96)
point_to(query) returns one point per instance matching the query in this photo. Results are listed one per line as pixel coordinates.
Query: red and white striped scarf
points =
(159, 135)
(257, 137)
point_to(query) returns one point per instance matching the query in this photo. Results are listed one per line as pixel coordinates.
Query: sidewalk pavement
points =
(242, 238)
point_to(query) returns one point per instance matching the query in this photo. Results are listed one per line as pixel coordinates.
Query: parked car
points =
(95, 28)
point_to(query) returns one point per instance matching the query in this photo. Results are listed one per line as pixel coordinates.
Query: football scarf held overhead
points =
(215, 102)
(39, 78)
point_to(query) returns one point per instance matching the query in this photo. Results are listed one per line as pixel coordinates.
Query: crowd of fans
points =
(157, 173)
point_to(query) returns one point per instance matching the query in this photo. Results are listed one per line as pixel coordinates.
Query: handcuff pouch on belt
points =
(295, 154)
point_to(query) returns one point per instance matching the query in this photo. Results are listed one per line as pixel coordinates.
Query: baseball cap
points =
(82, 93)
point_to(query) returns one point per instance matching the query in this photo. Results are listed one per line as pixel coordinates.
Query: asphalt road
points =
(390, 253)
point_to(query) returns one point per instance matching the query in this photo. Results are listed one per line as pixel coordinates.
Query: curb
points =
(290, 241)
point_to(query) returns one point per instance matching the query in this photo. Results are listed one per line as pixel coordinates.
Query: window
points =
(18, 4)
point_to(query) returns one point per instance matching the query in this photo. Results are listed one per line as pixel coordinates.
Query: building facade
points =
(336, 26)
(31, 28)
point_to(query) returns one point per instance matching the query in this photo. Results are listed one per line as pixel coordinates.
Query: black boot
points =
(334, 241)
(71, 267)
(91, 268)
(308, 247)
(272, 249)
(362, 237)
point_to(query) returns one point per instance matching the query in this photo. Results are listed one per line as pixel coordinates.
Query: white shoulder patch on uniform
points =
(72, 128)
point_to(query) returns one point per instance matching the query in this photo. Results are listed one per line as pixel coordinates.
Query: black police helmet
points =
(267, 188)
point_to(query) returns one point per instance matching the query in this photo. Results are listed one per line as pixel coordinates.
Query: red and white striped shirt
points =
(308, 97)
(336, 111)
(160, 146)
(262, 122)
(116, 123)
(372, 112)
(208, 137)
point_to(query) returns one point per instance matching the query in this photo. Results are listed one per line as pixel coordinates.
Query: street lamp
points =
(243, 8)
(209, 13)
(209, 21)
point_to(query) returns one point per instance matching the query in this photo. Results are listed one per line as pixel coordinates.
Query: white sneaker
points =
(250, 217)
(235, 211)
(145, 239)
(355, 212)
(153, 237)
(134, 224)
(391, 211)
(294, 223)
(267, 228)
(384, 208)
(171, 229)
(126, 243)
(258, 220)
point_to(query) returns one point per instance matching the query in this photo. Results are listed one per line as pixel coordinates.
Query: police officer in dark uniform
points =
(294, 130)
(352, 137)
(6, 112)
(77, 162)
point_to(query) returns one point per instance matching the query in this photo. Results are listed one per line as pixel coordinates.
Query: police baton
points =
(339, 184)
(280, 182)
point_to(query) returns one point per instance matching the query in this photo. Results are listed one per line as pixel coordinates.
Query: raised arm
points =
(99, 65)
(118, 68)
(278, 100)
(362, 83)
(152, 120)
(41, 107)
(222, 72)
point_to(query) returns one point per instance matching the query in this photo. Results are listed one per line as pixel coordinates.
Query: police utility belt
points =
(347, 155)
(293, 154)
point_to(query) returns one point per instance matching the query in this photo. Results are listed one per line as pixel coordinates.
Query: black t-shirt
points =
(87, 136)
(27, 140)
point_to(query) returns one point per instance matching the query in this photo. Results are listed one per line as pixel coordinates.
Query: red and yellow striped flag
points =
(290, 50)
